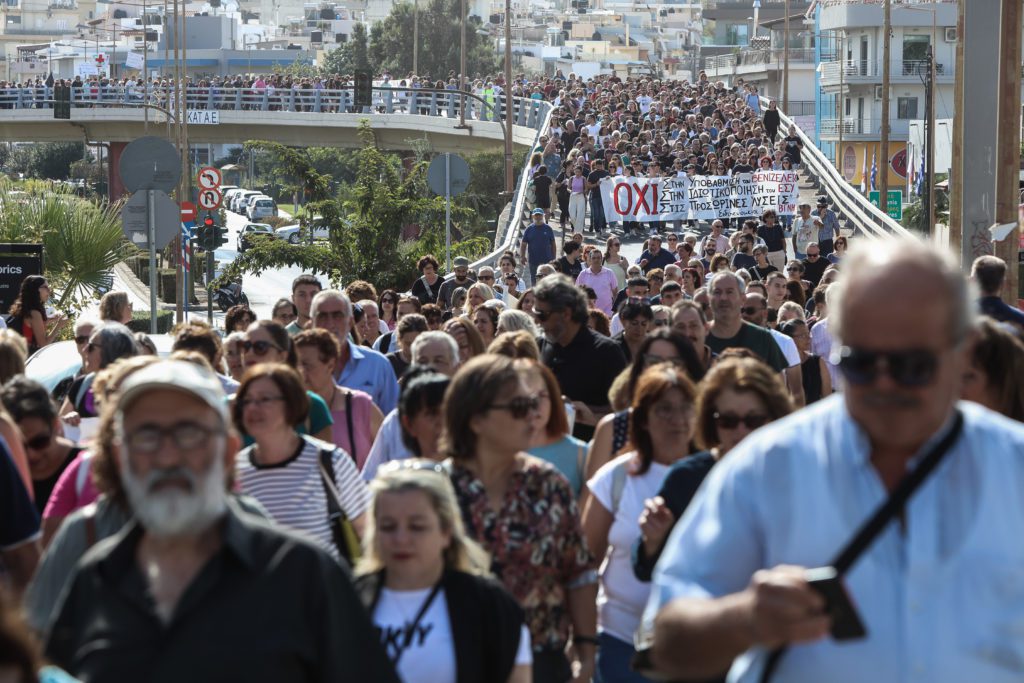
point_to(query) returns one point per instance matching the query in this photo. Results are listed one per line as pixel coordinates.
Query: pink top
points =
(361, 413)
(74, 488)
(604, 283)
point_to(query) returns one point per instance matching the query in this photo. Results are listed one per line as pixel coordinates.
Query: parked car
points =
(250, 231)
(55, 365)
(229, 196)
(241, 200)
(295, 233)
(261, 207)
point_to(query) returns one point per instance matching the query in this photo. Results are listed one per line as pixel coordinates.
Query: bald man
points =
(938, 591)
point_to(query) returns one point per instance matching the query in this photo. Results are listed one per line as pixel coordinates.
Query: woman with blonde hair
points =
(422, 576)
(116, 307)
(13, 353)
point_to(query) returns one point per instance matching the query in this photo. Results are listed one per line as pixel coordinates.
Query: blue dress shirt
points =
(369, 371)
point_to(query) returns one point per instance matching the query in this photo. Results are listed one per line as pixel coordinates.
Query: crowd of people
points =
(578, 470)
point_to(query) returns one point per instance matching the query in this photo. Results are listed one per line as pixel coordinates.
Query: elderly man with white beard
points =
(195, 589)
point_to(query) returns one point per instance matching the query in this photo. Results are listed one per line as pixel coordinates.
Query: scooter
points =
(231, 295)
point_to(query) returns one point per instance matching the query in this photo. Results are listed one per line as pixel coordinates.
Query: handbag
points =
(871, 529)
(344, 534)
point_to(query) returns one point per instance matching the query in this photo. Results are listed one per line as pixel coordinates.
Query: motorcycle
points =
(230, 295)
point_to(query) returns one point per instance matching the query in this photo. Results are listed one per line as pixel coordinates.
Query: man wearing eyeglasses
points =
(142, 605)
(937, 590)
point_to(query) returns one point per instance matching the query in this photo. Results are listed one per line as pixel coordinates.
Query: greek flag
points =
(919, 184)
(874, 172)
(864, 174)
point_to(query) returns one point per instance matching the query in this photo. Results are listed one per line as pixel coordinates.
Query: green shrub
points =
(140, 321)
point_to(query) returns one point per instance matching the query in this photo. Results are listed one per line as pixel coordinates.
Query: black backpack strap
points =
(335, 513)
(893, 506)
(348, 422)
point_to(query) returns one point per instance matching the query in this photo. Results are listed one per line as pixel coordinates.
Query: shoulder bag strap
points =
(893, 505)
(348, 422)
(335, 513)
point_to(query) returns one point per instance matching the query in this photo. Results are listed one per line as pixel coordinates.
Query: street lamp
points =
(508, 99)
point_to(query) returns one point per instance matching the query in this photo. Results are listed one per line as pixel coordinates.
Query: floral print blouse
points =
(535, 541)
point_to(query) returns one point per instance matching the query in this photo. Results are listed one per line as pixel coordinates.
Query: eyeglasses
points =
(813, 255)
(185, 436)
(38, 443)
(793, 270)
(749, 310)
(415, 465)
(519, 407)
(910, 368)
(732, 421)
(259, 347)
(486, 278)
(261, 401)
(387, 300)
(667, 412)
(542, 315)
(83, 339)
(660, 322)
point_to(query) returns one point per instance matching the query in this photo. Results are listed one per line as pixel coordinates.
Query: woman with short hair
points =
(109, 342)
(466, 336)
(289, 473)
(422, 574)
(522, 511)
(817, 382)
(116, 307)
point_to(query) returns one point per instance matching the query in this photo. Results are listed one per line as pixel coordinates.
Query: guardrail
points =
(386, 100)
(864, 215)
(509, 235)
(750, 57)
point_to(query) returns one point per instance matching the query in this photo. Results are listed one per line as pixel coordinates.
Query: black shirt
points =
(420, 290)
(268, 606)
(585, 368)
(42, 488)
(542, 190)
(793, 147)
(596, 177)
(774, 236)
(573, 270)
(741, 260)
(759, 273)
(813, 270)
(754, 338)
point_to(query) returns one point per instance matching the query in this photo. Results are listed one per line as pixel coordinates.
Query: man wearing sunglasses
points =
(937, 590)
(755, 312)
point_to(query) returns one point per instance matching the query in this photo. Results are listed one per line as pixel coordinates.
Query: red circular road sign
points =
(188, 212)
(209, 178)
(209, 199)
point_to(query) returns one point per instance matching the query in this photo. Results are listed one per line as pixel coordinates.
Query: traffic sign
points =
(188, 212)
(458, 175)
(209, 199)
(894, 204)
(209, 178)
(150, 163)
(135, 219)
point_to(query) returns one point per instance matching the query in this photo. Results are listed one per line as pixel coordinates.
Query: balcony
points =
(748, 61)
(869, 71)
(863, 128)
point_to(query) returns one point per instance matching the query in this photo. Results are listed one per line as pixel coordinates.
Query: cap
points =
(537, 212)
(822, 201)
(460, 262)
(176, 375)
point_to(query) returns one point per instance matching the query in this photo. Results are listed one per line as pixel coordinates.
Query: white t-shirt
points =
(430, 657)
(787, 346)
(386, 447)
(621, 597)
(805, 233)
(293, 491)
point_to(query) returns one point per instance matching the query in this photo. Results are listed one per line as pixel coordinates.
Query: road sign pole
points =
(209, 289)
(151, 225)
(448, 212)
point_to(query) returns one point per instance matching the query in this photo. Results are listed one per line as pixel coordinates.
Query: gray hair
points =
(115, 341)
(561, 294)
(437, 336)
(511, 320)
(329, 295)
(865, 260)
(740, 284)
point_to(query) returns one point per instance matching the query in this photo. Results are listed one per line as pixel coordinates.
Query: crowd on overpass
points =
(531, 470)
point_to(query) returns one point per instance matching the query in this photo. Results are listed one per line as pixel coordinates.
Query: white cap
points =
(177, 375)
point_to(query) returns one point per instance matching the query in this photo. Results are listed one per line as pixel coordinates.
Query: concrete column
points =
(115, 186)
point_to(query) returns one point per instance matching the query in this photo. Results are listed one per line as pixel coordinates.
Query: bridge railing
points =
(864, 215)
(386, 100)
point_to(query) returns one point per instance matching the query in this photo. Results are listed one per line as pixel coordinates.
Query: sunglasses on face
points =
(749, 310)
(259, 347)
(542, 315)
(39, 442)
(732, 421)
(910, 368)
(519, 407)
(792, 270)
(82, 339)
(486, 278)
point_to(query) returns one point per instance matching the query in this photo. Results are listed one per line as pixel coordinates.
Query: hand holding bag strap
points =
(893, 505)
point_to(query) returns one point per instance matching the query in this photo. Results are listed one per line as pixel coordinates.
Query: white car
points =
(292, 234)
(229, 195)
(251, 230)
(261, 207)
(240, 200)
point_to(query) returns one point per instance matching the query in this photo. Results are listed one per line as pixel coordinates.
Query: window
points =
(906, 107)
(915, 52)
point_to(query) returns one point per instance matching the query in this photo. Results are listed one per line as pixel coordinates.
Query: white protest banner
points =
(699, 197)
(134, 60)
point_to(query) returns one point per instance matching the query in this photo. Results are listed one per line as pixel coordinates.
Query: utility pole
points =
(883, 177)
(1008, 135)
(842, 99)
(929, 173)
(462, 65)
(507, 92)
(416, 37)
(785, 62)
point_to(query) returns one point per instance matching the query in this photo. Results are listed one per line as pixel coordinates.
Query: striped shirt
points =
(293, 491)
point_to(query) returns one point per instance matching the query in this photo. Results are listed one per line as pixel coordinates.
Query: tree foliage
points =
(351, 55)
(366, 224)
(391, 41)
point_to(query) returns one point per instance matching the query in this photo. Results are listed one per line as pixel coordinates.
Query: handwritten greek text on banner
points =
(699, 197)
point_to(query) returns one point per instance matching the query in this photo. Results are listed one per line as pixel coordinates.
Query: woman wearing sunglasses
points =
(109, 342)
(522, 511)
(267, 342)
(388, 305)
(736, 397)
(660, 428)
(284, 469)
(422, 575)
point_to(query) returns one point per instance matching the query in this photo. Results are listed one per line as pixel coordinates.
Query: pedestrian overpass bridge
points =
(399, 118)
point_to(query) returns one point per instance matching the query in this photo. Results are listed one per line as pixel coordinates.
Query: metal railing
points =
(864, 126)
(851, 68)
(864, 215)
(434, 103)
(759, 57)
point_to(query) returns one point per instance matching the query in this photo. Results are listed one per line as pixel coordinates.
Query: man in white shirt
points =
(939, 591)
(716, 238)
(755, 312)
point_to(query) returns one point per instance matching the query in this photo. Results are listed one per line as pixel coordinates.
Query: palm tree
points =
(82, 241)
